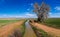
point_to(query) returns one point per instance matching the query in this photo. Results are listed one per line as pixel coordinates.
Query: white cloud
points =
(54, 15)
(28, 14)
(10, 16)
(4, 14)
(57, 7)
(50, 13)
(15, 16)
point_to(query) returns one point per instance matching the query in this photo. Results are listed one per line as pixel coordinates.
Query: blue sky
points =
(24, 8)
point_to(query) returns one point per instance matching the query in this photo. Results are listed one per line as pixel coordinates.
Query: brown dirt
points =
(8, 29)
(52, 31)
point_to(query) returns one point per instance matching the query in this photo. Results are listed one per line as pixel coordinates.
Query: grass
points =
(40, 32)
(19, 30)
(5, 22)
(22, 27)
(53, 22)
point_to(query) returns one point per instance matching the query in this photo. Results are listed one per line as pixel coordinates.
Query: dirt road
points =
(8, 29)
(52, 31)
(29, 31)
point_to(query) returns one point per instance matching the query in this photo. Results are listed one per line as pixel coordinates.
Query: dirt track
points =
(52, 31)
(8, 29)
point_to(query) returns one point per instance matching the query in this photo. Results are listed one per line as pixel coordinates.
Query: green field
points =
(5, 22)
(53, 22)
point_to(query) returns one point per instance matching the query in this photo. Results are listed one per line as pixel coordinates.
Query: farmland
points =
(53, 22)
(19, 28)
(5, 22)
(12, 28)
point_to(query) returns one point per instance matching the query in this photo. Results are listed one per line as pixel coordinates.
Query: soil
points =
(5, 31)
(51, 31)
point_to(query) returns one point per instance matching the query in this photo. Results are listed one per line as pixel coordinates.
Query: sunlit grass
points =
(53, 22)
(5, 22)
(41, 33)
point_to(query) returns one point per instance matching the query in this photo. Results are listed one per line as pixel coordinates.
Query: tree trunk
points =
(39, 19)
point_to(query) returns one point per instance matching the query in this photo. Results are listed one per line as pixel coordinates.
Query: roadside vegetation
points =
(40, 32)
(18, 31)
(23, 28)
(53, 22)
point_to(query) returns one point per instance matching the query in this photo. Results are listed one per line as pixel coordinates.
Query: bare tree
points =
(41, 11)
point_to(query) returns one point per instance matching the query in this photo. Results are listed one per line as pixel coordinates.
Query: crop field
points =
(53, 22)
(5, 22)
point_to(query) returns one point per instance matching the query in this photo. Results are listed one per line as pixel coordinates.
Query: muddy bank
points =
(39, 32)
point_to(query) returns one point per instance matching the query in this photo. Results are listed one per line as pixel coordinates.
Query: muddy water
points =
(29, 31)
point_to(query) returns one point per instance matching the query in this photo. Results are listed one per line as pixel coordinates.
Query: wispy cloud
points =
(30, 15)
(26, 15)
(54, 15)
(57, 7)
